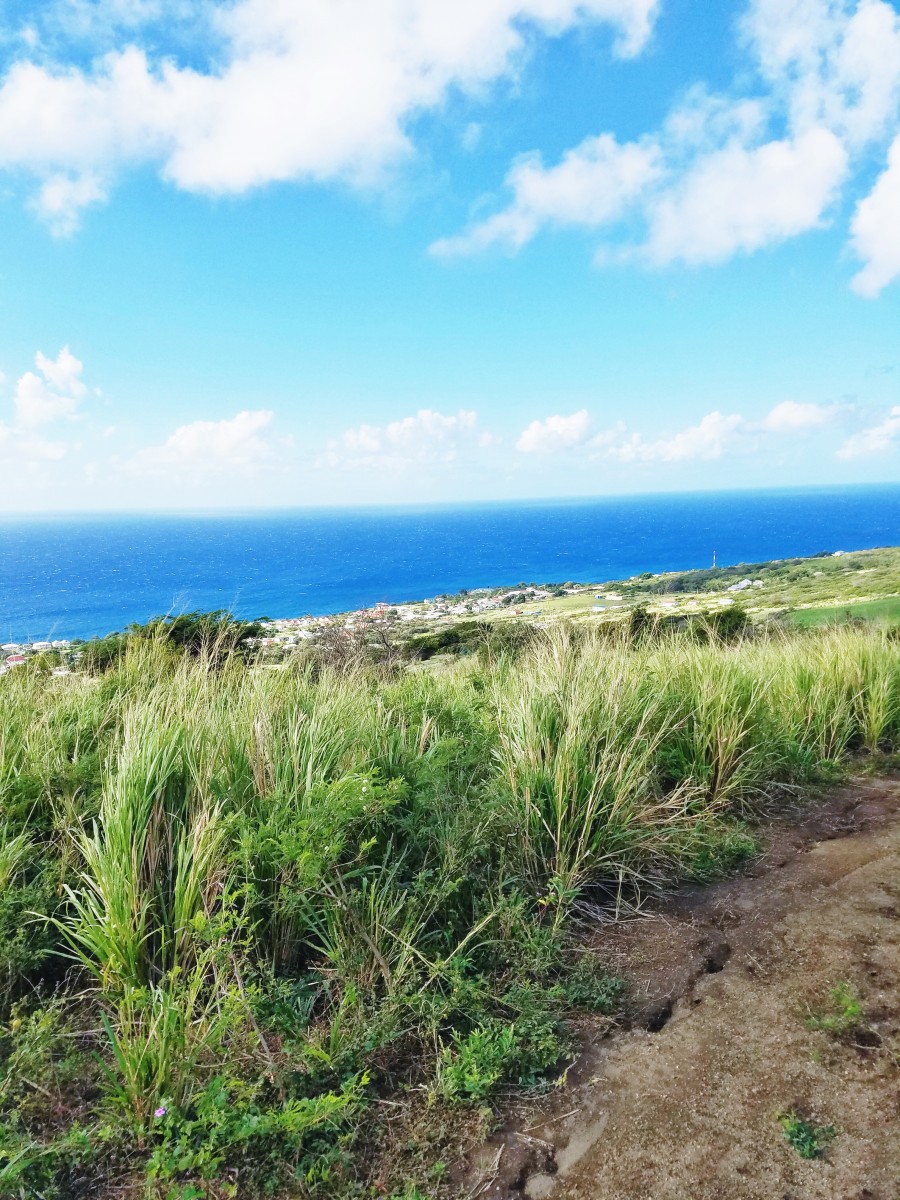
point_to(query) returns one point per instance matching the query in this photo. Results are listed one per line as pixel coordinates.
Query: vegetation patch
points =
(809, 1140)
(248, 913)
(886, 611)
(843, 1013)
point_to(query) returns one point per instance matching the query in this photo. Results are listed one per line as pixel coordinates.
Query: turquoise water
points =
(78, 576)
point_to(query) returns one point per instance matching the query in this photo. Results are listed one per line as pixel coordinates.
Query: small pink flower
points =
(160, 1112)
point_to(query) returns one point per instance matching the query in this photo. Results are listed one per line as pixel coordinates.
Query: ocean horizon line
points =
(88, 575)
(441, 505)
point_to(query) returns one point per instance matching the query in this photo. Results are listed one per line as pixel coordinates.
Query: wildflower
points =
(160, 1112)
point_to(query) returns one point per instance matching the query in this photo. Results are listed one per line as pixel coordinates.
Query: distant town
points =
(802, 586)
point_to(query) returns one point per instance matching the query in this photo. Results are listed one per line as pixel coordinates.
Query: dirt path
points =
(684, 1105)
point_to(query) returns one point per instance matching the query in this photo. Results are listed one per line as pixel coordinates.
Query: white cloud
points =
(62, 198)
(64, 372)
(55, 392)
(554, 433)
(425, 437)
(28, 448)
(41, 400)
(606, 438)
(235, 443)
(713, 437)
(875, 230)
(793, 417)
(591, 186)
(705, 186)
(877, 439)
(709, 439)
(703, 121)
(740, 199)
(37, 404)
(720, 433)
(317, 90)
(832, 62)
(731, 173)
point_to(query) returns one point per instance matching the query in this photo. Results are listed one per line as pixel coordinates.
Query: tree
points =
(215, 634)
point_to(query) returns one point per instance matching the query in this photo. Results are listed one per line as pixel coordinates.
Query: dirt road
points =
(685, 1104)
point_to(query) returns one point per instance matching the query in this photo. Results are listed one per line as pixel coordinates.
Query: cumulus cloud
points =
(831, 62)
(38, 404)
(709, 439)
(731, 173)
(425, 437)
(235, 443)
(259, 93)
(877, 439)
(554, 433)
(875, 230)
(714, 436)
(699, 205)
(42, 399)
(793, 417)
(740, 199)
(61, 200)
(313, 91)
(64, 372)
(591, 186)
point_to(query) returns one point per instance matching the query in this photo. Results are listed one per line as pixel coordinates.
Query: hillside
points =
(301, 924)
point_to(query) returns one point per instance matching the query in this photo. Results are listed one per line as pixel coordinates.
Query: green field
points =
(861, 576)
(886, 611)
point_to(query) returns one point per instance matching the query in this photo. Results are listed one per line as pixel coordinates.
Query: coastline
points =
(72, 578)
(696, 590)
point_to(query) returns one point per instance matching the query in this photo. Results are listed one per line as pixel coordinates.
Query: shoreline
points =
(480, 602)
(71, 578)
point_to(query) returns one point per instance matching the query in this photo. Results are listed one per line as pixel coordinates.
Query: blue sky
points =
(278, 252)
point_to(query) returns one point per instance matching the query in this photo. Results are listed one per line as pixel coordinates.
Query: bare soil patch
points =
(683, 1104)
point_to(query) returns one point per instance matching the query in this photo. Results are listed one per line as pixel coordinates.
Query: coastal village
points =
(16, 654)
(795, 588)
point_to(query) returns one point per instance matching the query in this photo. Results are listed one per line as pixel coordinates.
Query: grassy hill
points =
(844, 581)
(289, 928)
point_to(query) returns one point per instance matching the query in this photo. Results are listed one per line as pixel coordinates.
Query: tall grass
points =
(579, 734)
(272, 881)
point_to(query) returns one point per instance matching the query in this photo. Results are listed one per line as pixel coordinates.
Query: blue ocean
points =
(81, 576)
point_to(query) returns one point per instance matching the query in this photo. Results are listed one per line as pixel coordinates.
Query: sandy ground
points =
(684, 1104)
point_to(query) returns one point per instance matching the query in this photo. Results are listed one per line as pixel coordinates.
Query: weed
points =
(845, 1011)
(227, 1130)
(809, 1140)
(472, 1066)
(717, 848)
(588, 986)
